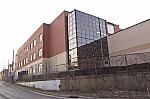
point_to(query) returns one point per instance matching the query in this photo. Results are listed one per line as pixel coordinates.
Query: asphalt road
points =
(8, 91)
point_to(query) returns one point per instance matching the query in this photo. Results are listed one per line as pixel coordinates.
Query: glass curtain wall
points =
(72, 37)
(87, 40)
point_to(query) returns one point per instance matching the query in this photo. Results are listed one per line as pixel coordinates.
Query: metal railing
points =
(124, 72)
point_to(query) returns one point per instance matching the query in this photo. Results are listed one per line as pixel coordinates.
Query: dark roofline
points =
(130, 27)
(88, 14)
(111, 23)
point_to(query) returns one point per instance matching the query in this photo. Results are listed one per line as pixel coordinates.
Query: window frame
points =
(21, 64)
(34, 43)
(27, 48)
(41, 37)
(26, 60)
(31, 45)
(40, 67)
(31, 57)
(34, 56)
(40, 52)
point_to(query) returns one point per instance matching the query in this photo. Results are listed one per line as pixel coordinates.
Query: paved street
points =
(8, 91)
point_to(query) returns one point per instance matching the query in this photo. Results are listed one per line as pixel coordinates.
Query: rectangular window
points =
(34, 69)
(31, 45)
(31, 58)
(41, 37)
(34, 55)
(30, 69)
(26, 60)
(34, 43)
(27, 49)
(21, 64)
(40, 52)
(110, 28)
(40, 68)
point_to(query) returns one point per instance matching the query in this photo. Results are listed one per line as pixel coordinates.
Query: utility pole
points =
(12, 68)
(13, 61)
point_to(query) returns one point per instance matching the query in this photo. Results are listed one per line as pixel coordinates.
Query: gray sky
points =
(20, 18)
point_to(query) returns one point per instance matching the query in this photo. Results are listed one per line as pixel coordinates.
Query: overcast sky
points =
(20, 18)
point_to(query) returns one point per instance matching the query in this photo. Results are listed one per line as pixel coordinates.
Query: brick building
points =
(63, 44)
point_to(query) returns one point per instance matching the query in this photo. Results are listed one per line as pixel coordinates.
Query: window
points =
(26, 60)
(31, 57)
(110, 28)
(41, 37)
(34, 43)
(27, 49)
(21, 64)
(34, 69)
(40, 52)
(31, 45)
(30, 70)
(34, 55)
(40, 68)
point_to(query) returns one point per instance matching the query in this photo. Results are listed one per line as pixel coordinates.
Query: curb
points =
(52, 95)
(38, 92)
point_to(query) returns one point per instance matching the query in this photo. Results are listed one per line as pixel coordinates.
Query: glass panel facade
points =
(72, 35)
(110, 28)
(87, 38)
